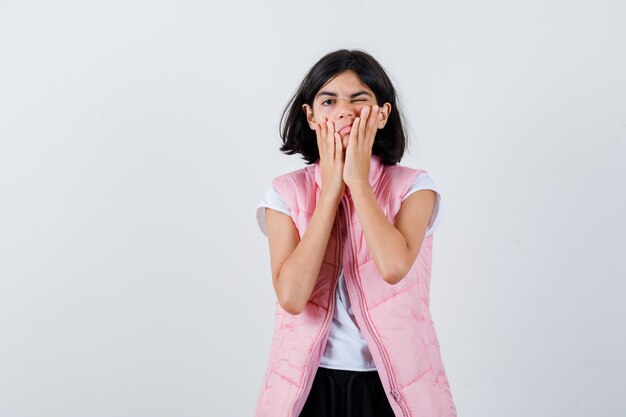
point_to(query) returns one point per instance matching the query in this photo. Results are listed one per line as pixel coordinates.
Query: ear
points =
(310, 117)
(385, 110)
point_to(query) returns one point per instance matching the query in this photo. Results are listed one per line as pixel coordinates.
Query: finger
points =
(323, 133)
(338, 147)
(331, 130)
(354, 133)
(318, 136)
(372, 123)
(328, 140)
(365, 112)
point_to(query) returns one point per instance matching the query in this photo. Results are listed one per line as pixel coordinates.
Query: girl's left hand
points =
(359, 150)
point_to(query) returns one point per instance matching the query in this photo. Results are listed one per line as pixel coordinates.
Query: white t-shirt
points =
(346, 348)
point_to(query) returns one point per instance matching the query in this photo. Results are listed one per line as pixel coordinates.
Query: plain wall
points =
(137, 137)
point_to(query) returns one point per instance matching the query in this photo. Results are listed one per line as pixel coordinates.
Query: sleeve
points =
(423, 181)
(272, 200)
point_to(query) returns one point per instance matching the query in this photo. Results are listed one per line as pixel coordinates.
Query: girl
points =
(350, 238)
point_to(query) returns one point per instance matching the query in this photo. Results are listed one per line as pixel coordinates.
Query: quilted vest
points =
(395, 319)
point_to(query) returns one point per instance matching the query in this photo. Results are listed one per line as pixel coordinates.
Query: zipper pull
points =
(395, 395)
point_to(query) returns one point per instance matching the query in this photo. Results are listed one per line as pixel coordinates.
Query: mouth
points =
(345, 130)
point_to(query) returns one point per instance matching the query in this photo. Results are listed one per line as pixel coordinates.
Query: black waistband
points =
(343, 376)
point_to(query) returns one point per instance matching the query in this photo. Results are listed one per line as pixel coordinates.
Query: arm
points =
(296, 263)
(394, 248)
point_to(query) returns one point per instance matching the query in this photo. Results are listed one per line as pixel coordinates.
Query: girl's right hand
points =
(331, 159)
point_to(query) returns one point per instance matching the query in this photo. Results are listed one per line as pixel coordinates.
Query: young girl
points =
(350, 238)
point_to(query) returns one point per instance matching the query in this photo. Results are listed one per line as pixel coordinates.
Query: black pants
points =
(339, 393)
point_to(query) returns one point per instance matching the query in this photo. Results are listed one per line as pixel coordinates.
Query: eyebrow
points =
(331, 94)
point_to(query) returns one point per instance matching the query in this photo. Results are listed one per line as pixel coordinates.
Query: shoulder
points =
(400, 172)
(298, 175)
(424, 181)
(280, 194)
(296, 184)
(397, 179)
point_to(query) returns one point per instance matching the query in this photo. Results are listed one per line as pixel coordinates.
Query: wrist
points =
(359, 186)
(329, 198)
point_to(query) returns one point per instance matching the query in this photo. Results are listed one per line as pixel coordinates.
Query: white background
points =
(137, 137)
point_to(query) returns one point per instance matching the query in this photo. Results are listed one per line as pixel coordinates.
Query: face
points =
(340, 101)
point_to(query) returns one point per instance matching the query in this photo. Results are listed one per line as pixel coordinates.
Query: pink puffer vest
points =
(395, 319)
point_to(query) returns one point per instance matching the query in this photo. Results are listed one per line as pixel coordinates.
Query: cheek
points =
(322, 112)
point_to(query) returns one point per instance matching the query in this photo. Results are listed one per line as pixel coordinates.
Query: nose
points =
(345, 108)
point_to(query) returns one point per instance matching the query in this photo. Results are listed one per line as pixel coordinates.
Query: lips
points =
(344, 130)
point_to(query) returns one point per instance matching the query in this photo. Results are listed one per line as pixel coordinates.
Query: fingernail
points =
(375, 108)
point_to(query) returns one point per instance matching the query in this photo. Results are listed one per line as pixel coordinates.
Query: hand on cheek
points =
(359, 147)
(331, 158)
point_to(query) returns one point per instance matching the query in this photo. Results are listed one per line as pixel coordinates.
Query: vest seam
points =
(393, 296)
(413, 381)
(319, 305)
(291, 381)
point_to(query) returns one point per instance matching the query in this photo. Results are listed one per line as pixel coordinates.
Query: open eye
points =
(327, 102)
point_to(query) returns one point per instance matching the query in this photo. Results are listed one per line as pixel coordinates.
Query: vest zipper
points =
(309, 373)
(394, 391)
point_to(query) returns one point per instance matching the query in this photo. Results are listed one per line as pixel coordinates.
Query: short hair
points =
(295, 132)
